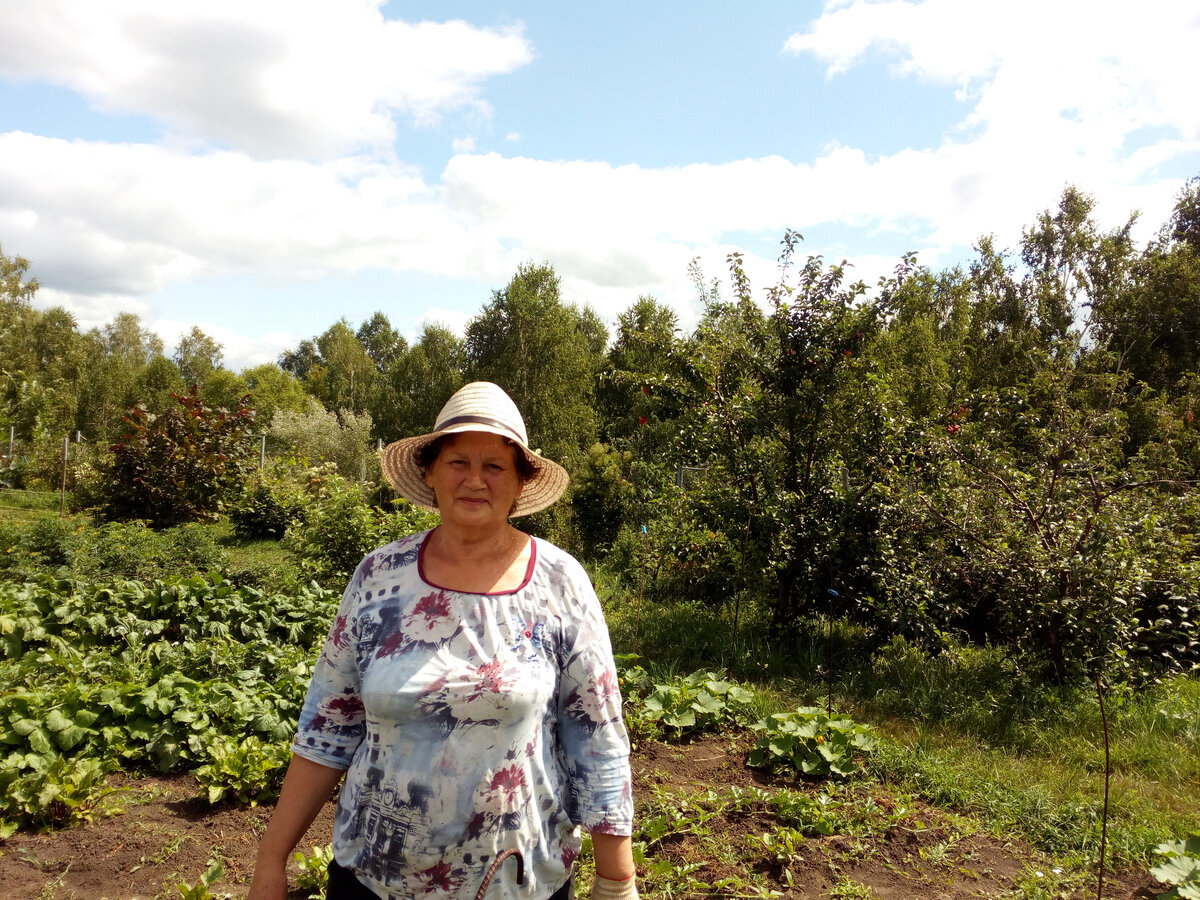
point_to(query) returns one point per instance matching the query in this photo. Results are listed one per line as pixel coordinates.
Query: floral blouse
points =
(468, 724)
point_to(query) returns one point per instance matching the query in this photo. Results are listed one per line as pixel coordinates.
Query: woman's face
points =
(475, 480)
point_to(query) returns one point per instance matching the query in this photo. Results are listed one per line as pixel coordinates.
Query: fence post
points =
(12, 433)
(262, 452)
(62, 491)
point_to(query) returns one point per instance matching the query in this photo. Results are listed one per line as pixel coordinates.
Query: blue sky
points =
(262, 169)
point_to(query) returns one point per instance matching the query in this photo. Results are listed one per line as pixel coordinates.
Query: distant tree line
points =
(1005, 451)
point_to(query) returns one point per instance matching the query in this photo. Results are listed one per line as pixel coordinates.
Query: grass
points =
(968, 730)
(260, 561)
(14, 499)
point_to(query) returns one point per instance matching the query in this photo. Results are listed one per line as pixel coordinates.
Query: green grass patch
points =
(967, 729)
(1055, 807)
(13, 499)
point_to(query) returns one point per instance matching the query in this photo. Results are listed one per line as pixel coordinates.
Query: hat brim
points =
(398, 461)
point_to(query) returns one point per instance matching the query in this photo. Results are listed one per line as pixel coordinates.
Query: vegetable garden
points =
(904, 578)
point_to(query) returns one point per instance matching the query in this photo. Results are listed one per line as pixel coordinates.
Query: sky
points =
(262, 169)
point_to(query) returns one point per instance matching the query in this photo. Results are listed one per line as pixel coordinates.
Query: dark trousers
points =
(344, 886)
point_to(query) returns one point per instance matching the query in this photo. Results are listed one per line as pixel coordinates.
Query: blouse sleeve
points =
(332, 720)
(591, 730)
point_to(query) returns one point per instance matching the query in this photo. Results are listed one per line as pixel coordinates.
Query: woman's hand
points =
(269, 882)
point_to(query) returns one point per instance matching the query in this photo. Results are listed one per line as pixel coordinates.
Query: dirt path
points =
(168, 835)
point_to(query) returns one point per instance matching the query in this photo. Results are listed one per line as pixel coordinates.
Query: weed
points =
(202, 889)
(848, 889)
(164, 854)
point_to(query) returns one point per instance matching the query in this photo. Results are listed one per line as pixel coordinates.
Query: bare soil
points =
(168, 834)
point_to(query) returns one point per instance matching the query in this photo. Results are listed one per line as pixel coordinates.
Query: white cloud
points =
(454, 320)
(1054, 94)
(307, 78)
(1093, 102)
(238, 351)
(463, 145)
(133, 218)
(91, 310)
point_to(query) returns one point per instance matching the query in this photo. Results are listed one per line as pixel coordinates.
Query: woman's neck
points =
(468, 544)
(487, 563)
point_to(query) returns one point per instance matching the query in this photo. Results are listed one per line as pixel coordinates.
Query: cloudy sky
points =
(263, 168)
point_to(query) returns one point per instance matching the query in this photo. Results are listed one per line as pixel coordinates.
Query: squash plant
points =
(810, 742)
(1180, 867)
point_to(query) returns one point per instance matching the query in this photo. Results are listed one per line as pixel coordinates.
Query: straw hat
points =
(478, 406)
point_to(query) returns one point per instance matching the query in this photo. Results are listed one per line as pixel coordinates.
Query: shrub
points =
(133, 550)
(178, 466)
(271, 502)
(51, 539)
(339, 527)
(320, 436)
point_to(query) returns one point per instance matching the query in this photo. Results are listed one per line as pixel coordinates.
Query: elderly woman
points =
(466, 690)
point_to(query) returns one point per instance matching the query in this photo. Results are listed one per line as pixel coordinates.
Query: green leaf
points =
(706, 703)
(683, 719)
(40, 741)
(56, 721)
(70, 736)
(1181, 871)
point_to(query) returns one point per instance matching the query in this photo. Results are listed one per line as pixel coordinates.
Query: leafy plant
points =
(174, 675)
(810, 742)
(54, 794)
(1180, 867)
(180, 465)
(202, 889)
(699, 702)
(270, 503)
(339, 527)
(314, 870)
(249, 769)
(848, 889)
(782, 844)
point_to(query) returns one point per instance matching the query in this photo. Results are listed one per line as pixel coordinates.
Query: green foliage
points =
(604, 495)
(810, 742)
(545, 353)
(314, 870)
(680, 707)
(180, 674)
(272, 389)
(202, 889)
(339, 527)
(54, 793)
(419, 382)
(319, 436)
(1180, 867)
(180, 465)
(116, 549)
(249, 770)
(271, 502)
(848, 889)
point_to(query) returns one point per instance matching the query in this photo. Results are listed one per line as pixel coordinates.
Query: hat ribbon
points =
(479, 420)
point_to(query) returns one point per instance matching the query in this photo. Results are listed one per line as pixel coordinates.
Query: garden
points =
(902, 580)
